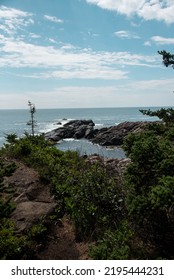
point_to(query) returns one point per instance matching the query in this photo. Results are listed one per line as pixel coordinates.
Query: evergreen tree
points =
(32, 122)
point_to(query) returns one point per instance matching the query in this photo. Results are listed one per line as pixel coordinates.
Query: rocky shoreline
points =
(85, 129)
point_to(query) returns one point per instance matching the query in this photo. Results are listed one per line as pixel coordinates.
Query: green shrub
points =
(149, 180)
(11, 245)
(114, 245)
(91, 197)
(37, 232)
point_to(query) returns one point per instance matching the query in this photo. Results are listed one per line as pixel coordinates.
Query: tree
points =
(168, 58)
(32, 122)
(149, 179)
(149, 182)
(166, 115)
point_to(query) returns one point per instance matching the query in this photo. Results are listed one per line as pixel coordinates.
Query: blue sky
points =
(85, 53)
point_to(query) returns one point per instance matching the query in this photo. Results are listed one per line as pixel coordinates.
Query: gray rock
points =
(74, 129)
(107, 136)
(32, 198)
(114, 135)
(28, 213)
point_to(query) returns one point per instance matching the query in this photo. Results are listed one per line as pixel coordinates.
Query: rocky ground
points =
(34, 202)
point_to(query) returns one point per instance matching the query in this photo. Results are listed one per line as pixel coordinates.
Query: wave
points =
(49, 126)
(99, 124)
(69, 140)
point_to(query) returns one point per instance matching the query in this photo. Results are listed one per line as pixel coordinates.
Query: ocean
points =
(15, 121)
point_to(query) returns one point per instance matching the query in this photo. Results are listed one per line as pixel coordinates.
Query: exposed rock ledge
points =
(32, 198)
(107, 136)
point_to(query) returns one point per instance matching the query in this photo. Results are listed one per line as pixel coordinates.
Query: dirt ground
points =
(61, 243)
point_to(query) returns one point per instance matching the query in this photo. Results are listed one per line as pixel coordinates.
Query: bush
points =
(114, 245)
(11, 245)
(149, 180)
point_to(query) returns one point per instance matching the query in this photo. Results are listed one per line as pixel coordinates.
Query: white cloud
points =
(34, 36)
(124, 34)
(147, 43)
(157, 85)
(161, 10)
(103, 73)
(53, 19)
(134, 24)
(69, 61)
(162, 40)
(66, 61)
(11, 13)
(12, 19)
(52, 40)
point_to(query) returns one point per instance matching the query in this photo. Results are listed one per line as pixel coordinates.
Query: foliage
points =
(6, 208)
(114, 245)
(93, 200)
(83, 190)
(149, 180)
(166, 115)
(36, 232)
(102, 210)
(168, 58)
(6, 170)
(11, 245)
(11, 138)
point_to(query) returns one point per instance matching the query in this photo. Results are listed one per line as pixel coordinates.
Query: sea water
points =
(15, 121)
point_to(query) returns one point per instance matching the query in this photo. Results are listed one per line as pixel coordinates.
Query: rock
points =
(28, 213)
(89, 132)
(32, 198)
(74, 129)
(114, 135)
(107, 136)
(78, 123)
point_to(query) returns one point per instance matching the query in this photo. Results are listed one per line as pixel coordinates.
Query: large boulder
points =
(32, 198)
(74, 129)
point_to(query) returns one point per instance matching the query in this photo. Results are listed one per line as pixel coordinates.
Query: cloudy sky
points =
(85, 53)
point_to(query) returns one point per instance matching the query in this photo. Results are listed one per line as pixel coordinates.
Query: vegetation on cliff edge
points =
(133, 219)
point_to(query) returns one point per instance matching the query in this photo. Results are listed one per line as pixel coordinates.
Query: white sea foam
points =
(46, 127)
(99, 124)
(69, 140)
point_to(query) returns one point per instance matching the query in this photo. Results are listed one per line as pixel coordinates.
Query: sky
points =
(85, 53)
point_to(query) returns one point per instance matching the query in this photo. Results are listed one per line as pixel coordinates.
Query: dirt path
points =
(61, 243)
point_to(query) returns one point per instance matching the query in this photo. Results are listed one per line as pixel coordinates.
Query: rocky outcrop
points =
(32, 199)
(76, 129)
(107, 136)
(114, 135)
